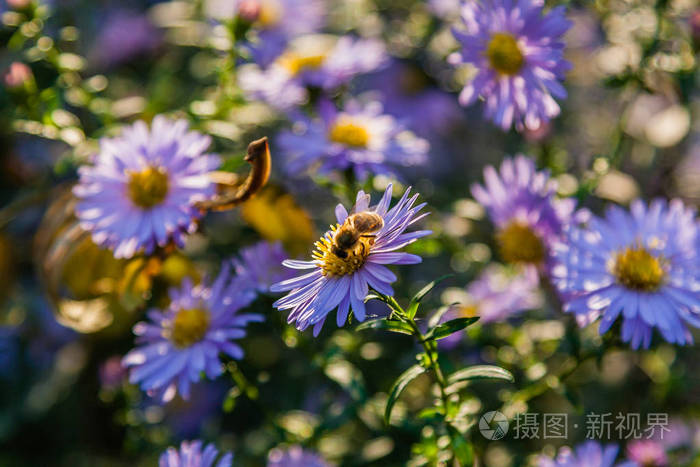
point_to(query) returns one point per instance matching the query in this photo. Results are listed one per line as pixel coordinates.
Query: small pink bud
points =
(17, 75)
(249, 10)
(534, 135)
(18, 4)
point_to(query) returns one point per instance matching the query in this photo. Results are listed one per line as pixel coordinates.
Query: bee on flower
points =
(343, 281)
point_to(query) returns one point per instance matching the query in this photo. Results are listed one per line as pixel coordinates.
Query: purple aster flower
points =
(143, 185)
(498, 293)
(181, 342)
(311, 61)
(344, 282)
(407, 94)
(260, 265)
(125, 35)
(294, 456)
(191, 454)
(587, 454)
(359, 137)
(518, 54)
(640, 265)
(521, 203)
(647, 453)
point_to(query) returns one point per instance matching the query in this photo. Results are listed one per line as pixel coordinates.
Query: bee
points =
(359, 225)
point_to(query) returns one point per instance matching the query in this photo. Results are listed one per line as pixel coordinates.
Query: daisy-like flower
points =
(181, 342)
(522, 204)
(260, 266)
(587, 454)
(191, 454)
(344, 282)
(647, 453)
(497, 293)
(359, 137)
(640, 265)
(316, 61)
(295, 456)
(518, 54)
(275, 22)
(143, 186)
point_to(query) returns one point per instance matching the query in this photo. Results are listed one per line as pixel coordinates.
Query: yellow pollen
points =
(270, 13)
(504, 54)
(333, 266)
(638, 269)
(148, 187)
(296, 63)
(189, 327)
(518, 243)
(349, 134)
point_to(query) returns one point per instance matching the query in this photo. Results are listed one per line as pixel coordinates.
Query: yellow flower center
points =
(469, 311)
(334, 266)
(349, 134)
(638, 269)
(189, 327)
(504, 54)
(270, 13)
(296, 63)
(148, 187)
(518, 243)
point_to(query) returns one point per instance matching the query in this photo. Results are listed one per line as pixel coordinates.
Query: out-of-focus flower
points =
(588, 454)
(294, 456)
(112, 373)
(191, 454)
(277, 216)
(498, 293)
(275, 22)
(18, 75)
(183, 341)
(311, 61)
(143, 185)
(518, 54)
(18, 4)
(359, 137)
(647, 453)
(260, 265)
(125, 35)
(521, 202)
(406, 94)
(344, 282)
(445, 9)
(695, 25)
(642, 265)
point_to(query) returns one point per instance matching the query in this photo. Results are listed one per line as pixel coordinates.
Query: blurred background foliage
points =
(628, 129)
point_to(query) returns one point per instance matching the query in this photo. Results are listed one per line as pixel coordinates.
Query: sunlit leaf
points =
(400, 384)
(450, 327)
(417, 298)
(386, 325)
(480, 372)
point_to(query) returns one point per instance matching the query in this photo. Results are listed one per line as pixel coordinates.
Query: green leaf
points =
(400, 384)
(417, 298)
(383, 324)
(461, 447)
(480, 372)
(450, 327)
(437, 316)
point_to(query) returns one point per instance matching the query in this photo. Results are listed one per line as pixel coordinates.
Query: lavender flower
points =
(344, 282)
(294, 456)
(588, 454)
(360, 137)
(521, 203)
(143, 185)
(640, 265)
(518, 54)
(275, 22)
(260, 265)
(125, 34)
(181, 342)
(311, 61)
(647, 453)
(191, 454)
